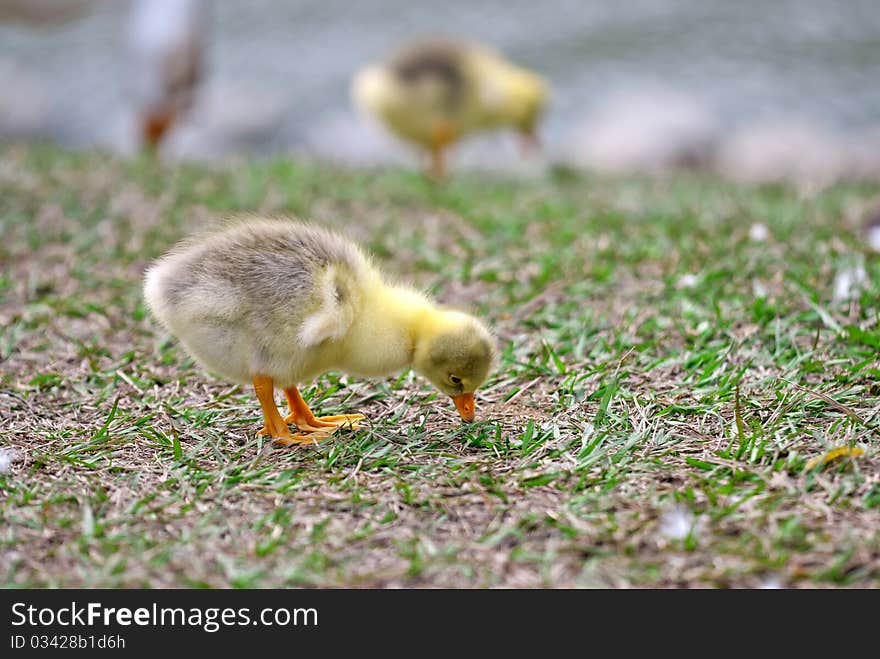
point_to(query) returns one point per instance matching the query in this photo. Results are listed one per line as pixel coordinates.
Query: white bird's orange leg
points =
(154, 126)
(306, 421)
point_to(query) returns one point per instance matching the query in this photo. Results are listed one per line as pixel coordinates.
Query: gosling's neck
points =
(519, 91)
(387, 330)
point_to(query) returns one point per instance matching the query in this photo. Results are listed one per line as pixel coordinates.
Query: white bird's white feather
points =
(164, 38)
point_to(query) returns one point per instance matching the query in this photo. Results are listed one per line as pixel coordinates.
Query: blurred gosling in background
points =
(433, 93)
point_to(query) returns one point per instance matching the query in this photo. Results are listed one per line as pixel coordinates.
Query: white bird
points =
(43, 12)
(165, 40)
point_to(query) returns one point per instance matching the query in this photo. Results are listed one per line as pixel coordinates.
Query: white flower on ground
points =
(848, 282)
(759, 232)
(759, 289)
(687, 281)
(771, 583)
(7, 457)
(677, 523)
(873, 237)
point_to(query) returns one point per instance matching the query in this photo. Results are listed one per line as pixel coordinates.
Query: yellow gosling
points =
(434, 93)
(278, 302)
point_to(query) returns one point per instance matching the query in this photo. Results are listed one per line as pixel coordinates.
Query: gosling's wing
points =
(334, 315)
(281, 283)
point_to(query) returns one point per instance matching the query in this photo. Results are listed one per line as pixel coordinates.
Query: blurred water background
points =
(741, 86)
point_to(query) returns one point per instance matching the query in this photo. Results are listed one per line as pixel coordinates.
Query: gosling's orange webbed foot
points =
(343, 419)
(303, 438)
(311, 429)
(322, 423)
(302, 416)
(288, 438)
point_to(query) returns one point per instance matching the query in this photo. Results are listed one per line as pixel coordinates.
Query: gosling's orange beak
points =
(464, 403)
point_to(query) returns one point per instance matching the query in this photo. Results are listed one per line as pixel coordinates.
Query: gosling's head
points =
(455, 353)
(527, 99)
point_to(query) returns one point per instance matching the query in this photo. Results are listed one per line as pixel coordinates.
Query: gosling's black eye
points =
(454, 379)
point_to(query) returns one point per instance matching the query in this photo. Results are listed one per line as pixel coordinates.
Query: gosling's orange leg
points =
(437, 165)
(306, 421)
(443, 134)
(275, 426)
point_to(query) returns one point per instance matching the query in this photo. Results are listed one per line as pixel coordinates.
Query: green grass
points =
(664, 379)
